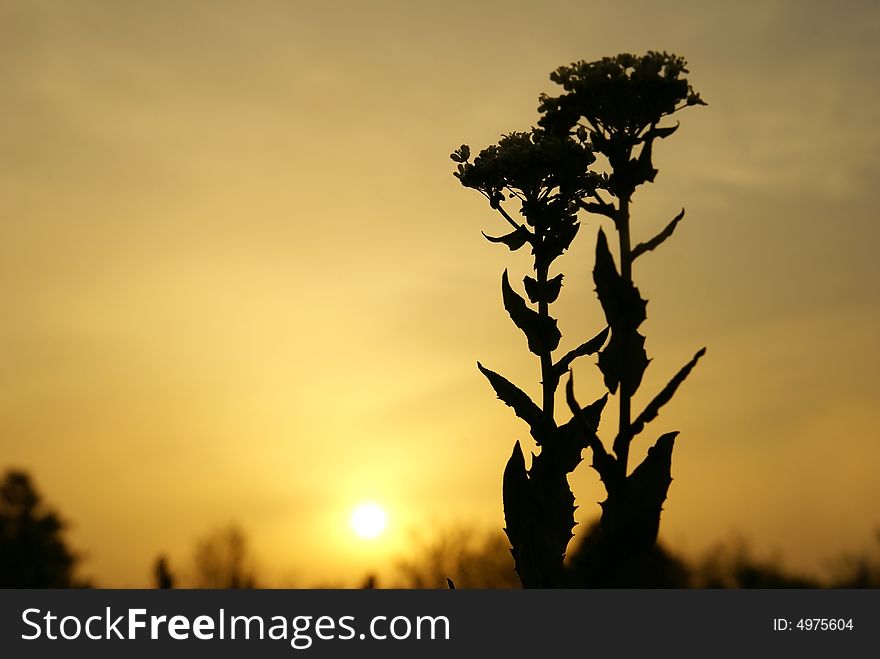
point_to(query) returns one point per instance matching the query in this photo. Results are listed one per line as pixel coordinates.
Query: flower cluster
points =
(549, 175)
(618, 103)
(621, 95)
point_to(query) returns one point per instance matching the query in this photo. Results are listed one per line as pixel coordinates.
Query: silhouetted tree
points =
(162, 574)
(222, 560)
(468, 558)
(858, 570)
(33, 551)
(613, 107)
(732, 565)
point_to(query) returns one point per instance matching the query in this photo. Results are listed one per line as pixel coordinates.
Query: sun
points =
(368, 520)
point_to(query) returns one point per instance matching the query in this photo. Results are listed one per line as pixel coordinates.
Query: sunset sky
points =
(239, 282)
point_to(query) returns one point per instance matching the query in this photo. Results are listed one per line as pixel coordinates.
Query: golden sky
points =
(239, 281)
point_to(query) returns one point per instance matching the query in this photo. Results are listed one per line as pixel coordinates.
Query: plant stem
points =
(548, 383)
(622, 222)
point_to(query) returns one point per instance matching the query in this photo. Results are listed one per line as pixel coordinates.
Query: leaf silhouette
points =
(589, 348)
(588, 417)
(623, 361)
(577, 434)
(647, 487)
(541, 332)
(586, 422)
(653, 408)
(514, 240)
(522, 405)
(558, 240)
(657, 240)
(553, 506)
(662, 133)
(546, 293)
(623, 306)
(519, 511)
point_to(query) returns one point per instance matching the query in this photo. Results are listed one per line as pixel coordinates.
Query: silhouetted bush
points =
(659, 567)
(162, 576)
(33, 551)
(222, 560)
(479, 559)
(732, 565)
(470, 558)
(857, 570)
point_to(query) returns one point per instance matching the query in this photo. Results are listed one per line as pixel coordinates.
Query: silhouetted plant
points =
(33, 551)
(222, 560)
(162, 574)
(459, 557)
(659, 568)
(733, 565)
(548, 175)
(858, 570)
(613, 107)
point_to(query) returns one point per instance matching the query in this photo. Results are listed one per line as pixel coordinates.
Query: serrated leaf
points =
(631, 513)
(553, 288)
(653, 408)
(567, 449)
(541, 332)
(620, 300)
(585, 422)
(657, 240)
(647, 488)
(590, 415)
(623, 362)
(546, 293)
(558, 241)
(532, 289)
(518, 513)
(554, 504)
(642, 170)
(522, 405)
(589, 348)
(514, 240)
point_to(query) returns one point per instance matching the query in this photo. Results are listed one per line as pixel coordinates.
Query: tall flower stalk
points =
(548, 177)
(619, 104)
(613, 107)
